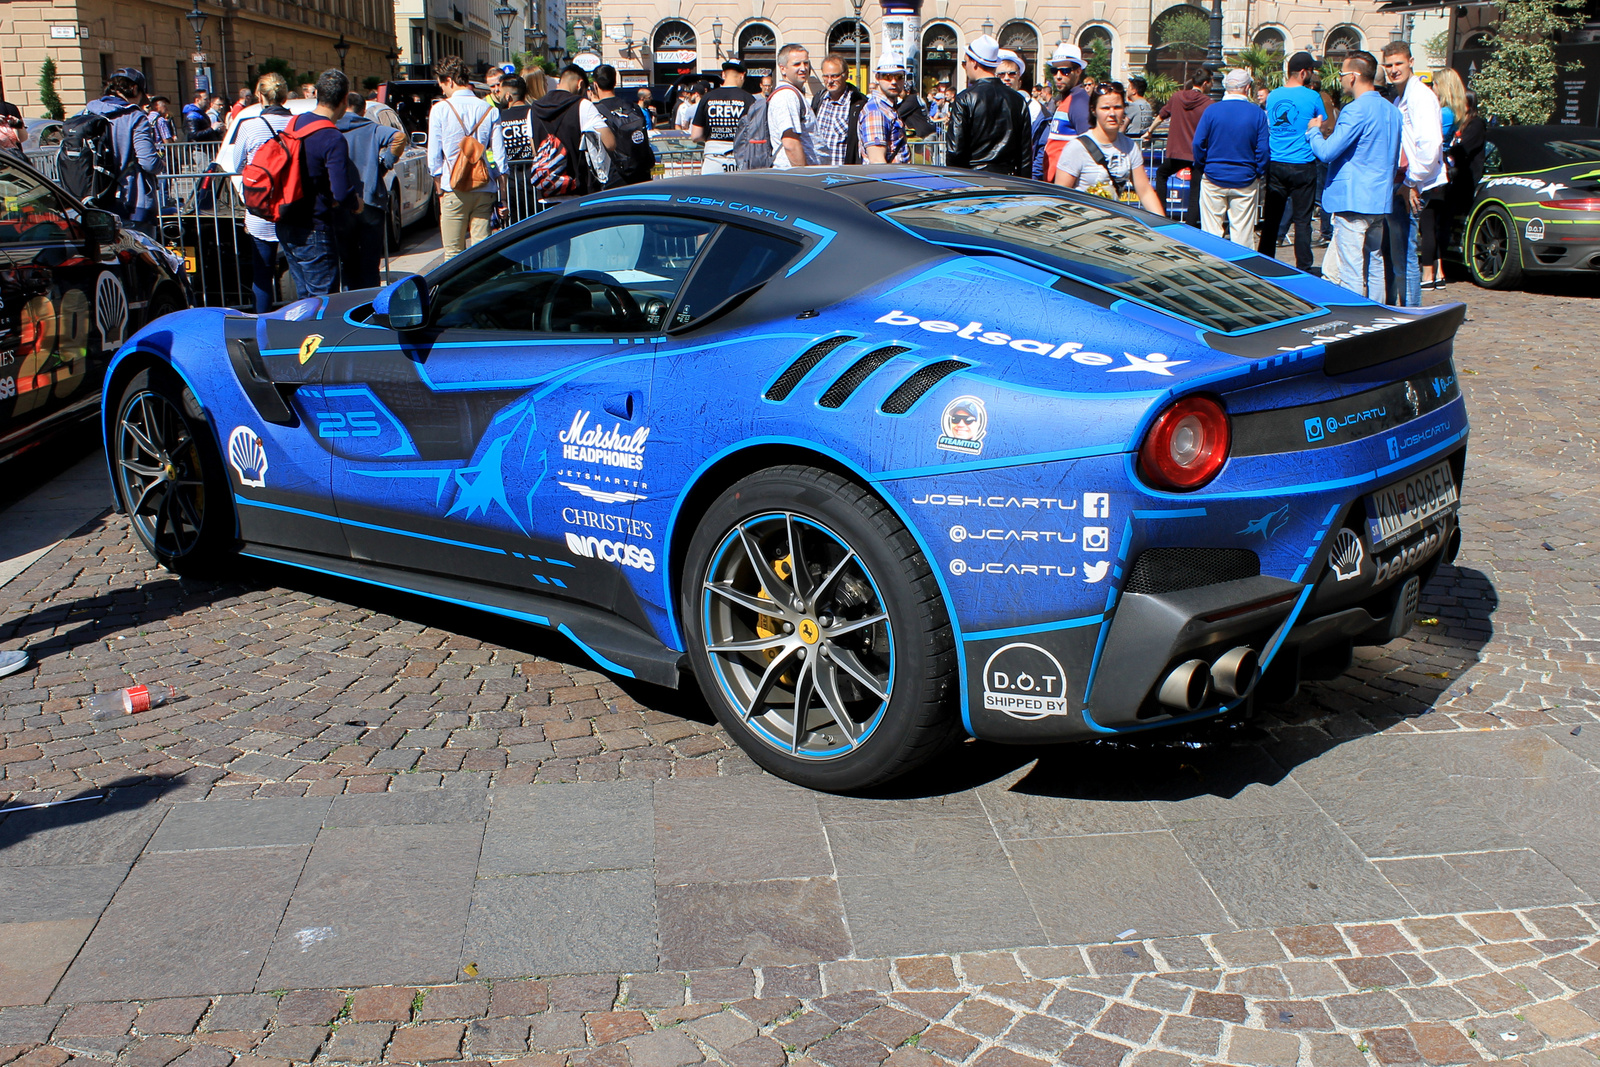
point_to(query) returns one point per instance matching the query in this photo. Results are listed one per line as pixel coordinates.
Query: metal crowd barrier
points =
(929, 153)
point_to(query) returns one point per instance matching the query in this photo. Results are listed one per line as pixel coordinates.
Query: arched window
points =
(853, 41)
(758, 50)
(1096, 45)
(674, 51)
(1178, 39)
(940, 54)
(1340, 42)
(1271, 39)
(1023, 39)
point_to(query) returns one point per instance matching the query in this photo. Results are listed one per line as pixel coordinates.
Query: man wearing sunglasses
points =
(1360, 154)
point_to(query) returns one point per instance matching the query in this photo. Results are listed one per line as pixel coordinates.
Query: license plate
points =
(1400, 509)
(187, 253)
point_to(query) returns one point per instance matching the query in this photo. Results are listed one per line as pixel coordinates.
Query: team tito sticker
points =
(964, 423)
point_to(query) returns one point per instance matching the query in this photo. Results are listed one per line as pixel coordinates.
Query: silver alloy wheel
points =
(797, 632)
(158, 462)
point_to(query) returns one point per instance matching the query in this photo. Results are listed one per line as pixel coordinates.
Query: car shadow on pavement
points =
(71, 624)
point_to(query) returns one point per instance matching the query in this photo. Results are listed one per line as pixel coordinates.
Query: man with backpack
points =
(790, 123)
(632, 159)
(108, 156)
(460, 128)
(308, 227)
(579, 128)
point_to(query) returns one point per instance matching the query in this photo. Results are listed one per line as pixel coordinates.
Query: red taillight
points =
(1590, 203)
(1187, 444)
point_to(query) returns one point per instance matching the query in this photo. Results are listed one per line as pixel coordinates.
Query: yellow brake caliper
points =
(769, 626)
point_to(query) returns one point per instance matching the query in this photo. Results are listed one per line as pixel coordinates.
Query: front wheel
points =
(1494, 250)
(818, 632)
(169, 474)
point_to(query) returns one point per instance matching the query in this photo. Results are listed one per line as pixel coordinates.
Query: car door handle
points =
(622, 405)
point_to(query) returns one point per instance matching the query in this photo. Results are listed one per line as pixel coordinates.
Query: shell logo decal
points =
(110, 310)
(248, 457)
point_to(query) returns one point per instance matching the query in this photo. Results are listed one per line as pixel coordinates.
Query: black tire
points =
(1494, 250)
(396, 226)
(169, 475)
(164, 303)
(874, 617)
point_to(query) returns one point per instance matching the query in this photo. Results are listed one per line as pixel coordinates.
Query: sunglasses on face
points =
(963, 420)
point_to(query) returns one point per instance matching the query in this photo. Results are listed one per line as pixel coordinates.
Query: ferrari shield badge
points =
(309, 346)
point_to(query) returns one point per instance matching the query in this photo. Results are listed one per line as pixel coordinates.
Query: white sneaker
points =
(12, 662)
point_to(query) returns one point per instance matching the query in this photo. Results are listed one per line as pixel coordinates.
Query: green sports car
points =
(1537, 209)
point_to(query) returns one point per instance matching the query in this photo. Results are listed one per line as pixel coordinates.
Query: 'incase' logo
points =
(611, 552)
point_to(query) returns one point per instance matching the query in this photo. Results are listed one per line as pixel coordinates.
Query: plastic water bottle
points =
(129, 701)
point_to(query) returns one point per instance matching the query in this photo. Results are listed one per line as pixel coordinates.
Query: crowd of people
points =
(1386, 161)
(1392, 170)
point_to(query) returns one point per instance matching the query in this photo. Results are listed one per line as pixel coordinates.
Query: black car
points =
(1537, 209)
(74, 285)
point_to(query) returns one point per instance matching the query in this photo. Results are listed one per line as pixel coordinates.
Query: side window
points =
(739, 260)
(31, 213)
(601, 276)
(1491, 158)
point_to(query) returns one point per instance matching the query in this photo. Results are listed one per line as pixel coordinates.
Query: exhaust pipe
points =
(1235, 672)
(1187, 687)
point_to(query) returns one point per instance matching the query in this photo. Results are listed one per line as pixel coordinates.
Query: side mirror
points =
(403, 304)
(103, 226)
(420, 139)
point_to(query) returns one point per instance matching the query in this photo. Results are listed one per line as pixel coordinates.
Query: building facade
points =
(88, 39)
(429, 29)
(672, 37)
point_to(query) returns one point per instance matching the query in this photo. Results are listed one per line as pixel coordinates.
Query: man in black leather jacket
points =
(988, 127)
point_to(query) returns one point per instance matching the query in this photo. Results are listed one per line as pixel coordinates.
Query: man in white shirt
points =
(1422, 157)
(788, 118)
(463, 213)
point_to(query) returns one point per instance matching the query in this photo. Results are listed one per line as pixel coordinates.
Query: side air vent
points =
(911, 390)
(796, 372)
(1167, 570)
(859, 371)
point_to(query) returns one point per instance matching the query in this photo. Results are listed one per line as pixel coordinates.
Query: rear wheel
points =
(819, 635)
(169, 474)
(395, 223)
(1494, 250)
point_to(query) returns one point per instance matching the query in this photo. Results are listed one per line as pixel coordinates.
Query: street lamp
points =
(507, 15)
(716, 35)
(1214, 50)
(197, 22)
(1066, 30)
(343, 48)
(1317, 34)
(988, 26)
(394, 65)
(627, 34)
(857, 5)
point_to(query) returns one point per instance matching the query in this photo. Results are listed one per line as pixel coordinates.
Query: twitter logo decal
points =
(1093, 572)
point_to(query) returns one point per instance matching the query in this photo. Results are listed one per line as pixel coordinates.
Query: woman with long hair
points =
(534, 78)
(1465, 159)
(1433, 226)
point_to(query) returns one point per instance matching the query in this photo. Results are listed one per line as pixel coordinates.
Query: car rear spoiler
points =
(1352, 337)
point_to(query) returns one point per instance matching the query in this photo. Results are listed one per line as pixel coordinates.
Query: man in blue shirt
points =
(1360, 154)
(1230, 150)
(1292, 174)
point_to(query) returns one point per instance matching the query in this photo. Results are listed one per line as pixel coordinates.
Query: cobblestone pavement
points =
(1443, 796)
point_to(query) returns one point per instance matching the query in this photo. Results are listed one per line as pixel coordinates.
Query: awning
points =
(1408, 6)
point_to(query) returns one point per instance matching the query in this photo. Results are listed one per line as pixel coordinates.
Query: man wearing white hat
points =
(880, 130)
(1010, 72)
(988, 128)
(1072, 99)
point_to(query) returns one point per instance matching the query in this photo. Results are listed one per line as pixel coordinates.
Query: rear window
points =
(1515, 149)
(1110, 251)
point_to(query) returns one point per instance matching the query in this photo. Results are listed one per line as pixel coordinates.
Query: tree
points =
(1437, 46)
(1159, 88)
(1518, 82)
(275, 65)
(370, 82)
(1264, 64)
(48, 97)
(1189, 28)
(1097, 63)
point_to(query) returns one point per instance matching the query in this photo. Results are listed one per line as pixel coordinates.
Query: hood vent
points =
(912, 389)
(779, 390)
(859, 371)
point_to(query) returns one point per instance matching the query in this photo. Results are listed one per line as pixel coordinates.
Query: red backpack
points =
(275, 177)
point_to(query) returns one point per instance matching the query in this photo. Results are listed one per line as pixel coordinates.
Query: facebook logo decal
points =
(1096, 505)
(1314, 430)
(1394, 448)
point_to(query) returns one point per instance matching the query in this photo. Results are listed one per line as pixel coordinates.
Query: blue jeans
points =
(1405, 272)
(1358, 242)
(313, 257)
(264, 273)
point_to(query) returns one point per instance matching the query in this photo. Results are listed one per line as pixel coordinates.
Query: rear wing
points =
(1352, 337)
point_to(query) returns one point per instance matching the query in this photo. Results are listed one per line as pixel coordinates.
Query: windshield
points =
(1109, 251)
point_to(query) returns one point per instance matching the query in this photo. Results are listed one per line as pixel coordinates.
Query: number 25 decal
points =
(348, 424)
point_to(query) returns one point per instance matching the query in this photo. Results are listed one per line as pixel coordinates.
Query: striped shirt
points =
(880, 125)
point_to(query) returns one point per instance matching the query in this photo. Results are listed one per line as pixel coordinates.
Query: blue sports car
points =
(877, 455)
